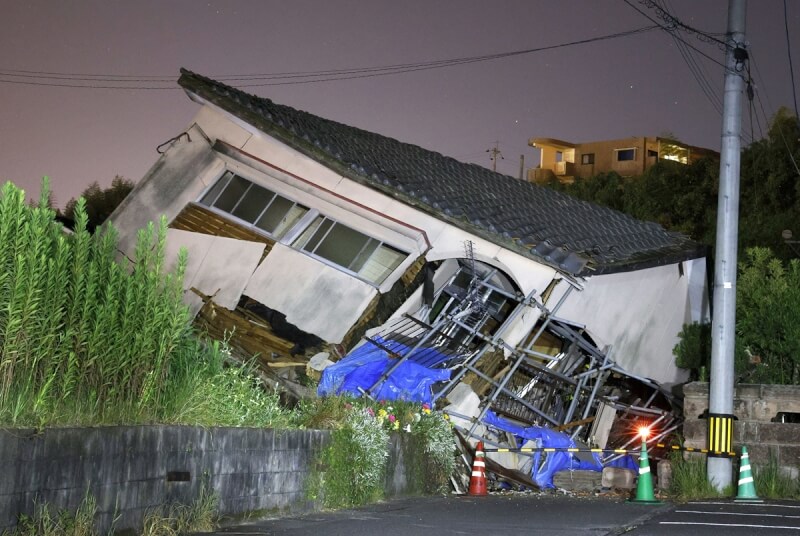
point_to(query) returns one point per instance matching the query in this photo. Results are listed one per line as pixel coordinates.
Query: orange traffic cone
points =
(477, 482)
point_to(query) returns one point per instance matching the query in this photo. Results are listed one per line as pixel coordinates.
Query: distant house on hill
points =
(566, 161)
(303, 233)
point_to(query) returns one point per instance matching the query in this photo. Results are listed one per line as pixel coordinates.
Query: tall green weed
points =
(86, 339)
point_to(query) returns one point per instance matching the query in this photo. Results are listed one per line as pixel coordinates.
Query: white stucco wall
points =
(216, 266)
(639, 314)
(177, 177)
(315, 297)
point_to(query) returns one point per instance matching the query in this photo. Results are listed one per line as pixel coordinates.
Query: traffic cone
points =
(747, 488)
(477, 482)
(644, 486)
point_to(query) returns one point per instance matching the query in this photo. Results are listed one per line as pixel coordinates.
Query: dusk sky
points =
(636, 85)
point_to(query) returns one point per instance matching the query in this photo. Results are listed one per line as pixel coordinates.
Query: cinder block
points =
(618, 478)
(790, 456)
(783, 433)
(664, 473)
(695, 430)
(577, 480)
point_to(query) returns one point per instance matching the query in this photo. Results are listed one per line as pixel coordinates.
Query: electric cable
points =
(299, 77)
(789, 52)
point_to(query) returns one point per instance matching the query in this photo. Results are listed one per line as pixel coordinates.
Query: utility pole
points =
(521, 167)
(494, 152)
(720, 396)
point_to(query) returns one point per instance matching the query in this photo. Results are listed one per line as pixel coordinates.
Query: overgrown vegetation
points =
(87, 340)
(690, 480)
(353, 467)
(772, 483)
(684, 198)
(172, 520)
(100, 202)
(767, 324)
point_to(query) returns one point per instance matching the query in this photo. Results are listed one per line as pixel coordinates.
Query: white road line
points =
(733, 514)
(762, 505)
(727, 525)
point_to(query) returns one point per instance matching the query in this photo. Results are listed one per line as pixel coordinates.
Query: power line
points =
(101, 81)
(697, 71)
(675, 22)
(672, 32)
(789, 52)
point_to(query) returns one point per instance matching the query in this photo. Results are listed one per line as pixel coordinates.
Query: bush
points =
(353, 466)
(767, 324)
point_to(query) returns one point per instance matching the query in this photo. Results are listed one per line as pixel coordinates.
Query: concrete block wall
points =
(756, 408)
(133, 469)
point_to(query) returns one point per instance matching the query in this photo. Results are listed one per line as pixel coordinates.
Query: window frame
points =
(617, 153)
(210, 204)
(587, 159)
(402, 257)
(302, 225)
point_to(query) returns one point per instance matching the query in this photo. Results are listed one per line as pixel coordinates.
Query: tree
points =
(770, 186)
(768, 316)
(100, 203)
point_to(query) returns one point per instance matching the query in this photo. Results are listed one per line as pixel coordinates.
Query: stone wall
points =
(132, 469)
(759, 410)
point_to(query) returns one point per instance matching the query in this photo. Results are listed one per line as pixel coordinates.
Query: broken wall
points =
(640, 313)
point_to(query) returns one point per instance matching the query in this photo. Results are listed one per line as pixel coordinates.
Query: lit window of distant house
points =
(254, 204)
(587, 158)
(363, 255)
(625, 155)
(674, 152)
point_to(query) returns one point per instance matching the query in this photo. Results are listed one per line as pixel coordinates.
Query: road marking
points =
(727, 525)
(733, 514)
(762, 505)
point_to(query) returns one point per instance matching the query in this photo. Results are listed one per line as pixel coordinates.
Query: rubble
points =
(555, 383)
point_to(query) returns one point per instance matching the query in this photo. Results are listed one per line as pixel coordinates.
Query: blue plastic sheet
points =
(362, 367)
(542, 473)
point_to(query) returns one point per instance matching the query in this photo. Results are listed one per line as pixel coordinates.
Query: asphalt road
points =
(539, 514)
(726, 517)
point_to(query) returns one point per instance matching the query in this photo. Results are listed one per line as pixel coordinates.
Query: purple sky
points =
(632, 86)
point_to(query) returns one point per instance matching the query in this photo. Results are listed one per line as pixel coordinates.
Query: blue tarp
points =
(542, 473)
(362, 367)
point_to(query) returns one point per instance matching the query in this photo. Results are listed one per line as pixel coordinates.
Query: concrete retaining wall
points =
(130, 470)
(757, 408)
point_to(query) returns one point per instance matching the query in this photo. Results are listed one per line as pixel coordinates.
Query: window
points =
(587, 158)
(368, 257)
(625, 155)
(316, 234)
(254, 204)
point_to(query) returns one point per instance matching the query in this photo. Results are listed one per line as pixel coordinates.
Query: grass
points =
(690, 480)
(173, 520)
(88, 340)
(772, 483)
(45, 523)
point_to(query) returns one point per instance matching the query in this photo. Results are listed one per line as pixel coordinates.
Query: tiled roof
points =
(571, 235)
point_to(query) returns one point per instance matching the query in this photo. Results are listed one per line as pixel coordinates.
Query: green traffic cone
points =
(644, 486)
(747, 488)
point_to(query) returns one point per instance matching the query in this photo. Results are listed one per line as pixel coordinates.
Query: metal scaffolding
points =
(556, 377)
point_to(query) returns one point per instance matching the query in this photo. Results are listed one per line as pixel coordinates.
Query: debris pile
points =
(553, 402)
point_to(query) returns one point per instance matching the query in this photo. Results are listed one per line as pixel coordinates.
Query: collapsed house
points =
(305, 234)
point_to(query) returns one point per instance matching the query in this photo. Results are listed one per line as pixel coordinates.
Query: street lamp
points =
(787, 236)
